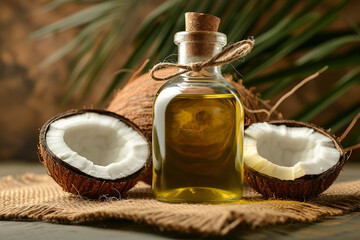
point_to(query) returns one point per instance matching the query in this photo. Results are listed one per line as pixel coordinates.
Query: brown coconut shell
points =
(135, 102)
(72, 179)
(304, 188)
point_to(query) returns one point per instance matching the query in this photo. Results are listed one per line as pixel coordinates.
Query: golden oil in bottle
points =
(198, 122)
(197, 148)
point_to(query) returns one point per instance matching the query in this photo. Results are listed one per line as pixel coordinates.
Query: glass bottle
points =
(198, 120)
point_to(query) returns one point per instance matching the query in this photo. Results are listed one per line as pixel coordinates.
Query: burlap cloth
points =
(39, 198)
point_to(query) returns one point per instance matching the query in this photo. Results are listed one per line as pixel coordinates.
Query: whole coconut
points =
(135, 102)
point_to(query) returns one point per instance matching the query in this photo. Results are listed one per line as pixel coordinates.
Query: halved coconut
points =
(290, 159)
(94, 152)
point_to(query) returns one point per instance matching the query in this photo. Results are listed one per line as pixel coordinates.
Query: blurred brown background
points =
(30, 95)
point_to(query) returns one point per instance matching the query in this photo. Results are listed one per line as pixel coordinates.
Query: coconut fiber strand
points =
(39, 198)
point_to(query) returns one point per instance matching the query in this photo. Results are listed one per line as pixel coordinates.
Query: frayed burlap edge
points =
(39, 198)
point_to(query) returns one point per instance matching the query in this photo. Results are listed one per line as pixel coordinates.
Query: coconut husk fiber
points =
(39, 198)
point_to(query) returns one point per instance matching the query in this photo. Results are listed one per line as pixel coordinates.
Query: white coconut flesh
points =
(288, 153)
(98, 145)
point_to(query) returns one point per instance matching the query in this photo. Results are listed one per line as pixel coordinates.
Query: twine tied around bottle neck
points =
(228, 54)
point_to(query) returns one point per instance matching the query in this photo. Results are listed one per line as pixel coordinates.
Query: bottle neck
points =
(191, 52)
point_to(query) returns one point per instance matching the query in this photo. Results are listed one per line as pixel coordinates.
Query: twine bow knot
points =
(230, 53)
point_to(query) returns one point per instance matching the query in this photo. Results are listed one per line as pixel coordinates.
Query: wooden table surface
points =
(341, 227)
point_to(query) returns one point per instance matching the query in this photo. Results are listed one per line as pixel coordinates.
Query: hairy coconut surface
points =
(135, 102)
(75, 181)
(303, 188)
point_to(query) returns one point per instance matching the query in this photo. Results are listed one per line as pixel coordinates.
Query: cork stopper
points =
(201, 35)
(201, 22)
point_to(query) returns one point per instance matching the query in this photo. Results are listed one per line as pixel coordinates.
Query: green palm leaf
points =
(88, 15)
(345, 83)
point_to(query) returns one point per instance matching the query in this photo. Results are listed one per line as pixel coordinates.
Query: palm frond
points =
(294, 42)
(342, 118)
(58, 3)
(349, 80)
(347, 59)
(292, 28)
(88, 15)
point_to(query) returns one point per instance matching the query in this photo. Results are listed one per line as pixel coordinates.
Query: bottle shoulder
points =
(208, 88)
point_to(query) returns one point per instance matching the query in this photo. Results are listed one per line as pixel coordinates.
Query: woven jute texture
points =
(39, 198)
